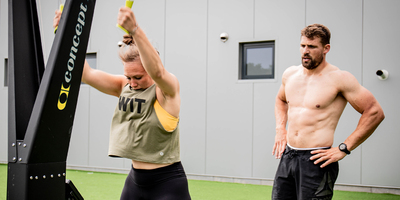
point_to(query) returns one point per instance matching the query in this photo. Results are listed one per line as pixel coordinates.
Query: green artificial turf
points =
(108, 186)
(3, 182)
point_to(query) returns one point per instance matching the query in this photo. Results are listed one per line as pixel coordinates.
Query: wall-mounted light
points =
(120, 43)
(224, 37)
(382, 74)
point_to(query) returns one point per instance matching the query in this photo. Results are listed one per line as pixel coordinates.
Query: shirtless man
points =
(311, 99)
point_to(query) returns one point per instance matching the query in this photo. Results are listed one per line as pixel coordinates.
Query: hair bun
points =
(128, 39)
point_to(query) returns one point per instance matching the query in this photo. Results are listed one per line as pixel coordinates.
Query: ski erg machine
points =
(42, 101)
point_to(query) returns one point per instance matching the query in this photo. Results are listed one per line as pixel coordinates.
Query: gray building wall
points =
(228, 125)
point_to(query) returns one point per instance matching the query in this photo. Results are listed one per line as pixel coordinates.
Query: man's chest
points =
(310, 93)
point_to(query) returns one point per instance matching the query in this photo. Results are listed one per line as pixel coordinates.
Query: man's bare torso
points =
(314, 106)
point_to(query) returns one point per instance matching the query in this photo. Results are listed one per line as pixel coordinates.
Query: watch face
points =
(343, 147)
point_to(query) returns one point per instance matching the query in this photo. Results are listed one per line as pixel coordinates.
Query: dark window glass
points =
(6, 72)
(91, 58)
(257, 60)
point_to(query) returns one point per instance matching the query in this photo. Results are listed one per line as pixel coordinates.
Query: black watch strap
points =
(343, 147)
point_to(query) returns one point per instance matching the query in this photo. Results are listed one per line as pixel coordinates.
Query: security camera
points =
(120, 43)
(224, 37)
(382, 74)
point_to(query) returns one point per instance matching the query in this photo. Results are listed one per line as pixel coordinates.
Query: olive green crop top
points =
(136, 132)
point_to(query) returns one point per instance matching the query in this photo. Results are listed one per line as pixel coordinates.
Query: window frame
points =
(89, 56)
(5, 84)
(243, 46)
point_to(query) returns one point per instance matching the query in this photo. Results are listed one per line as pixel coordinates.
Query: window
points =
(91, 58)
(5, 72)
(257, 60)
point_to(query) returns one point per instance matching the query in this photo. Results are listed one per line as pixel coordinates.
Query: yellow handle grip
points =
(61, 9)
(128, 4)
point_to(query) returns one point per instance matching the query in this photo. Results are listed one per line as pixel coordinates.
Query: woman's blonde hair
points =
(128, 51)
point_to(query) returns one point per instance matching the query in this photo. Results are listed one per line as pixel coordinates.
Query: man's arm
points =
(281, 115)
(281, 109)
(372, 115)
(365, 103)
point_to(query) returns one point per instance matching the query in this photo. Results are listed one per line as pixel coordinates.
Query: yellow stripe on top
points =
(168, 121)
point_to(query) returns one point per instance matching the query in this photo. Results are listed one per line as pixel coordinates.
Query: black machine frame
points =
(42, 101)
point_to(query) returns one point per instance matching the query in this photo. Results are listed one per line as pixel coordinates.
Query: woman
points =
(145, 123)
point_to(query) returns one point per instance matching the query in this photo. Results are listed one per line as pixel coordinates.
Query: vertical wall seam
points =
(252, 132)
(362, 73)
(206, 92)
(254, 19)
(253, 85)
(88, 137)
(362, 42)
(165, 31)
(305, 13)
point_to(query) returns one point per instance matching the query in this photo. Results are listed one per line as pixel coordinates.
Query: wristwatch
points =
(343, 147)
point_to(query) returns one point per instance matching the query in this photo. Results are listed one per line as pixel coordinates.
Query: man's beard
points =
(312, 63)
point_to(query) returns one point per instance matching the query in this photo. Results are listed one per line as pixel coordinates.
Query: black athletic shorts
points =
(299, 178)
(165, 183)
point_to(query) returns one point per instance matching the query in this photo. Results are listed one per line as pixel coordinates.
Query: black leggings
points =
(165, 183)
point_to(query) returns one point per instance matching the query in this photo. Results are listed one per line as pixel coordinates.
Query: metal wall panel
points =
(151, 16)
(3, 90)
(101, 111)
(229, 104)
(186, 58)
(380, 155)
(78, 153)
(286, 33)
(46, 11)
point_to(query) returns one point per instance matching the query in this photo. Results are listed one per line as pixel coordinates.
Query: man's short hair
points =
(317, 30)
